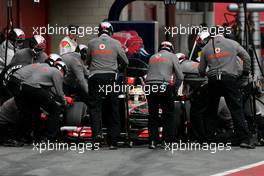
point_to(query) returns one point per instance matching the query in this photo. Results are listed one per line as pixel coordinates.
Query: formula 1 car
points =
(74, 119)
(133, 110)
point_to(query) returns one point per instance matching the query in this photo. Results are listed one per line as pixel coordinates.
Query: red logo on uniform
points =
(102, 46)
(217, 50)
(158, 55)
(65, 44)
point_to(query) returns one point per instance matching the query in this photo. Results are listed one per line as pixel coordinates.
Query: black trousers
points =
(29, 100)
(199, 105)
(7, 131)
(229, 88)
(3, 132)
(164, 101)
(96, 98)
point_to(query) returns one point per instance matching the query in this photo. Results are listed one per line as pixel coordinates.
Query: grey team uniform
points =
(21, 58)
(26, 56)
(227, 61)
(162, 66)
(105, 60)
(77, 72)
(42, 75)
(220, 55)
(33, 84)
(104, 56)
(10, 53)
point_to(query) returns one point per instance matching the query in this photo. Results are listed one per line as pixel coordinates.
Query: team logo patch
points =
(102, 46)
(217, 50)
(158, 55)
(65, 44)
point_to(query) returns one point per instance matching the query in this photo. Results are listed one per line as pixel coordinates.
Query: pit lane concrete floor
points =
(138, 161)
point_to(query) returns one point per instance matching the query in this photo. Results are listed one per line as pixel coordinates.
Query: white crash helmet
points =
(53, 58)
(17, 37)
(181, 57)
(202, 38)
(38, 43)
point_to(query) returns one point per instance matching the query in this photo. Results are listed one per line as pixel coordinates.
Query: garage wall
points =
(26, 15)
(3, 14)
(183, 17)
(138, 13)
(80, 12)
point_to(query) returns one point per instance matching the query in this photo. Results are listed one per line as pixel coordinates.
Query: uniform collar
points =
(104, 35)
(162, 51)
(218, 35)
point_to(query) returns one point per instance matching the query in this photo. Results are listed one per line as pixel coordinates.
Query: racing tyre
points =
(75, 114)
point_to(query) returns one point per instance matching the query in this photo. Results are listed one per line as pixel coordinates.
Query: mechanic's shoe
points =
(163, 145)
(26, 141)
(98, 139)
(12, 143)
(152, 145)
(46, 140)
(113, 147)
(97, 142)
(260, 142)
(247, 145)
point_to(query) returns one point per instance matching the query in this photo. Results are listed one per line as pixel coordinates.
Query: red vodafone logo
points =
(217, 50)
(158, 55)
(102, 46)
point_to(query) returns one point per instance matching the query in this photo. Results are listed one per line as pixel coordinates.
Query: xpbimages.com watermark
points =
(192, 29)
(81, 31)
(192, 146)
(60, 146)
(116, 88)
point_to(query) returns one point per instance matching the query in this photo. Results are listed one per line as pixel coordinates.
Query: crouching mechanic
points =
(31, 86)
(23, 57)
(220, 55)
(34, 54)
(104, 56)
(75, 81)
(162, 66)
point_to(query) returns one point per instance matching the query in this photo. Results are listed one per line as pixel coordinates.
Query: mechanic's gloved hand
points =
(69, 100)
(243, 82)
(243, 79)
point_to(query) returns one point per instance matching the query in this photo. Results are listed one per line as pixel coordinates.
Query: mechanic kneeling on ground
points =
(16, 38)
(220, 55)
(162, 66)
(31, 86)
(104, 56)
(75, 81)
(23, 57)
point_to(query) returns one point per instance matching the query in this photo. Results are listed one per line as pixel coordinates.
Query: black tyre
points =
(75, 114)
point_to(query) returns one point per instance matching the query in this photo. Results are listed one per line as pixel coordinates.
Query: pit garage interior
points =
(138, 160)
(90, 12)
